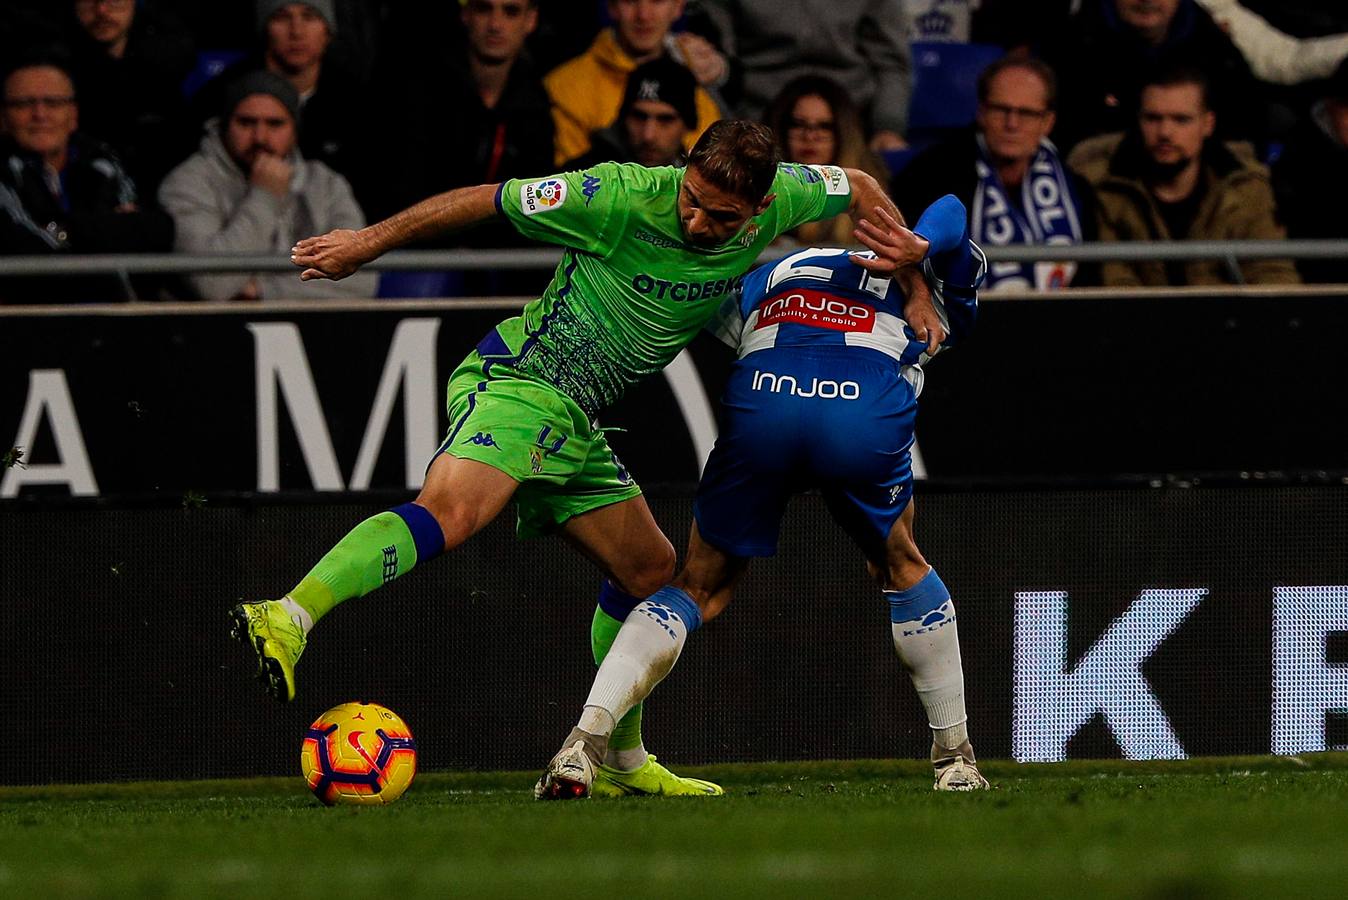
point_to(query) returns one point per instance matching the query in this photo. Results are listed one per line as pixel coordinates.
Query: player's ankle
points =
(626, 760)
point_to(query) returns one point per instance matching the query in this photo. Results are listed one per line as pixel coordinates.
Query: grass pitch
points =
(1246, 827)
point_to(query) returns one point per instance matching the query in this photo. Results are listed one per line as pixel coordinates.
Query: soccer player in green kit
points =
(649, 255)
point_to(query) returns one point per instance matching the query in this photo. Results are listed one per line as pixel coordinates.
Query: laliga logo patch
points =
(542, 196)
(835, 180)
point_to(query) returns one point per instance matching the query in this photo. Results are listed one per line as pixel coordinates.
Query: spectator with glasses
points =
(1010, 177)
(816, 123)
(61, 191)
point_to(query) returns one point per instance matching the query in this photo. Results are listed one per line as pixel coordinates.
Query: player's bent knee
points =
(457, 520)
(652, 571)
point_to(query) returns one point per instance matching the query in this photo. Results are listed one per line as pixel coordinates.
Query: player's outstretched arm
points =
(338, 253)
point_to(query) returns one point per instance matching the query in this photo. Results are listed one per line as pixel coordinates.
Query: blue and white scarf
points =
(1046, 214)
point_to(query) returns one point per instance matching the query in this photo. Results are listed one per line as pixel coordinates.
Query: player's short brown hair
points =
(738, 156)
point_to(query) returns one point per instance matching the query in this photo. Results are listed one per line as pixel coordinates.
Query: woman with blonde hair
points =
(816, 123)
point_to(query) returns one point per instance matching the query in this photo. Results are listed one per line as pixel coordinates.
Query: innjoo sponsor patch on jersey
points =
(541, 196)
(817, 309)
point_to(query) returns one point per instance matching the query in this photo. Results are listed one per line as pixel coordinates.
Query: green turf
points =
(1250, 827)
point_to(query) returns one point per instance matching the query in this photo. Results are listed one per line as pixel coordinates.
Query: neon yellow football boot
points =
(652, 779)
(269, 633)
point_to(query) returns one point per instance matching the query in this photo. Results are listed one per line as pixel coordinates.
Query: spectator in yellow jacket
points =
(587, 91)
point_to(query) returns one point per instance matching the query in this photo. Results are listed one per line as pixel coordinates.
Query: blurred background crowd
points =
(156, 126)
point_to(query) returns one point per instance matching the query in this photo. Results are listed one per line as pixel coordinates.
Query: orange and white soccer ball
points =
(358, 753)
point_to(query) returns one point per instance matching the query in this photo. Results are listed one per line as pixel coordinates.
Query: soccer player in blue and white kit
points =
(823, 395)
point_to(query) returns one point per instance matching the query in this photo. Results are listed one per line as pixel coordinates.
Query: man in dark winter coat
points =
(61, 192)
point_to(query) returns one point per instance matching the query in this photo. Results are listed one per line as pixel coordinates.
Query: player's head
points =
(658, 110)
(260, 116)
(730, 172)
(641, 25)
(817, 123)
(1150, 19)
(107, 22)
(40, 108)
(1016, 98)
(297, 34)
(497, 28)
(1174, 119)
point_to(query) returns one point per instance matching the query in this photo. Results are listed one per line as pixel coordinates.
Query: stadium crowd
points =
(155, 126)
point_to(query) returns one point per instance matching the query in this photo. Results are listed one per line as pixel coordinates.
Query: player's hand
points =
(920, 313)
(894, 245)
(334, 255)
(272, 174)
(706, 63)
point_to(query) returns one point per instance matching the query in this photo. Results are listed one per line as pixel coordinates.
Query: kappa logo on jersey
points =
(542, 196)
(818, 310)
(835, 180)
(822, 388)
(590, 186)
(656, 240)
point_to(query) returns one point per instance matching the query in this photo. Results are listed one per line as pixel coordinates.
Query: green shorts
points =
(538, 436)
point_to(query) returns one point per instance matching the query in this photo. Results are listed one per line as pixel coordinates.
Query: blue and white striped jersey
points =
(818, 298)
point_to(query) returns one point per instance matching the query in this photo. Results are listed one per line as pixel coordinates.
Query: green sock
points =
(371, 555)
(603, 630)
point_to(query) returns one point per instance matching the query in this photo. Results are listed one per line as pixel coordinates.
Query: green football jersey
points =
(629, 294)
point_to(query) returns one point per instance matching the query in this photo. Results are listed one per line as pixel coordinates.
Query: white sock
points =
(927, 641)
(298, 614)
(646, 648)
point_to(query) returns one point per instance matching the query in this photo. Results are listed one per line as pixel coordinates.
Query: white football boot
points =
(571, 772)
(956, 770)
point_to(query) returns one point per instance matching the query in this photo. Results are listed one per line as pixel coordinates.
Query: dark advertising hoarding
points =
(1140, 622)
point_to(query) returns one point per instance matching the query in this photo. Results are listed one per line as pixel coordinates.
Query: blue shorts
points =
(838, 420)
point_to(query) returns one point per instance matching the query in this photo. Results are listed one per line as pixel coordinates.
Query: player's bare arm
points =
(337, 254)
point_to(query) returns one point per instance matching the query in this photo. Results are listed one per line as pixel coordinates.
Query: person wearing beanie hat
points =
(658, 111)
(664, 81)
(249, 190)
(261, 82)
(294, 42)
(587, 90)
(297, 35)
(322, 8)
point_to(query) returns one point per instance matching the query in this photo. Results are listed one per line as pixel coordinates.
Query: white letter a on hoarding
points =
(49, 393)
(1052, 704)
